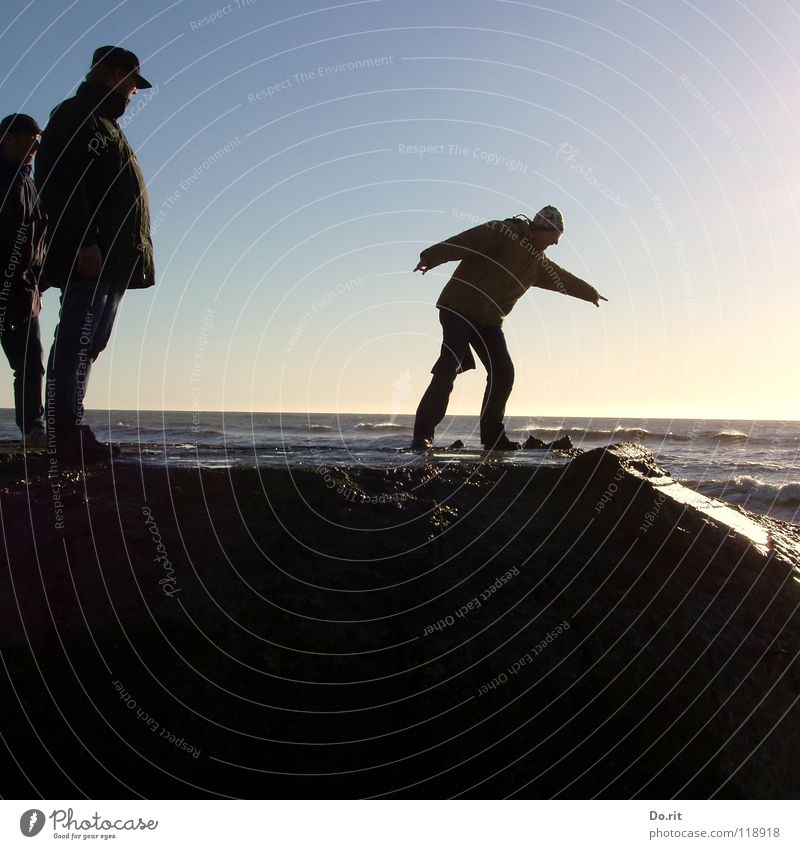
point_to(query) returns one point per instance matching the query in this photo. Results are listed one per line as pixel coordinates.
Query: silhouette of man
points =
(499, 262)
(99, 241)
(22, 232)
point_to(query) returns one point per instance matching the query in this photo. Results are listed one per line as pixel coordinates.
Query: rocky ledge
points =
(431, 630)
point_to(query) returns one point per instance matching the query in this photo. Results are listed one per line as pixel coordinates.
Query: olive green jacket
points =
(93, 192)
(498, 264)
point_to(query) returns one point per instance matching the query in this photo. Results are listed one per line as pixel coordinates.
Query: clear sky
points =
(299, 155)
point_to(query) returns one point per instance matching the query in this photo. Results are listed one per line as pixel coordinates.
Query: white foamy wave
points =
(751, 491)
(632, 431)
(732, 435)
(380, 426)
(789, 494)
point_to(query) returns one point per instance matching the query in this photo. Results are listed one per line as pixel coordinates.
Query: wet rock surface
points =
(563, 443)
(427, 631)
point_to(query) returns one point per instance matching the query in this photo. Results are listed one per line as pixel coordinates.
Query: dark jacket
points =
(497, 265)
(93, 192)
(22, 232)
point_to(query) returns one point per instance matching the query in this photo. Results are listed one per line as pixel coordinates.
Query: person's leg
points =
(13, 350)
(453, 357)
(105, 323)
(490, 345)
(69, 363)
(101, 326)
(33, 373)
(23, 348)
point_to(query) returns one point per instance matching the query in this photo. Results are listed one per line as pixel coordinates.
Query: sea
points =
(755, 464)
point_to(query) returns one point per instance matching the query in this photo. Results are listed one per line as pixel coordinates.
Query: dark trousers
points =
(489, 343)
(88, 310)
(23, 348)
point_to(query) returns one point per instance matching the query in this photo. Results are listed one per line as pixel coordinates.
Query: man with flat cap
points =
(22, 232)
(498, 262)
(98, 242)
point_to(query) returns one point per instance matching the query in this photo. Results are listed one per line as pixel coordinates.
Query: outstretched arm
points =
(477, 240)
(557, 279)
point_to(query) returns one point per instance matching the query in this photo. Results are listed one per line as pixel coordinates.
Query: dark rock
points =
(590, 630)
(562, 444)
(533, 442)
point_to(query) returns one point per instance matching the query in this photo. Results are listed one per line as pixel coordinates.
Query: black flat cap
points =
(119, 57)
(19, 123)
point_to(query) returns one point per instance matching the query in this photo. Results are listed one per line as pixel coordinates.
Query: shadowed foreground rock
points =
(428, 631)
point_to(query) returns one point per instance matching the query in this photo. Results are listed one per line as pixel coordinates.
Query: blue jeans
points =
(88, 310)
(489, 343)
(23, 347)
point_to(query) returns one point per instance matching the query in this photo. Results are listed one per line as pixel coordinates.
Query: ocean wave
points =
(732, 435)
(784, 495)
(789, 493)
(544, 429)
(752, 490)
(711, 438)
(288, 427)
(380, 426)
(595, 435)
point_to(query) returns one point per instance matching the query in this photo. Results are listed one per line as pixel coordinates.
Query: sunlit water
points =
(754, 464)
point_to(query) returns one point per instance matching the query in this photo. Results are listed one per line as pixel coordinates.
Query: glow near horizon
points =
(288, 221)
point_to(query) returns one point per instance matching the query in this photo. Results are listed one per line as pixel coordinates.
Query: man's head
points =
(117, 69)
(546, 228)
(19, 138)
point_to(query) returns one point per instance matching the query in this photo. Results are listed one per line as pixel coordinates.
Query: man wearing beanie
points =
(498, 262)
(22, 232)
(99, 242)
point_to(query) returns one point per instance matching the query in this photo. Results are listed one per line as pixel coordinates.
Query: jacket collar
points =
(9, 171)
(104, 101)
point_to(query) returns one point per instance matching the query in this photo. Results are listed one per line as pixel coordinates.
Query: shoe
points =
(34, 439)
(80, 445)
(502, 443)
(422, 443)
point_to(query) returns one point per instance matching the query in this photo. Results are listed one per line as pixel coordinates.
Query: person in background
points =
(99, 243)
(498, 262)
(22, 233)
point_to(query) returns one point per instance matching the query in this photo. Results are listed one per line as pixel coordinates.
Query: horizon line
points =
(454, 415)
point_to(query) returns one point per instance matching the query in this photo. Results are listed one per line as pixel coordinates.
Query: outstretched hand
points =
(598, 298)
(421, 266)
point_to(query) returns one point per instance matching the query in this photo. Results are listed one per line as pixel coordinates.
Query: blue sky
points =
(300, 155)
